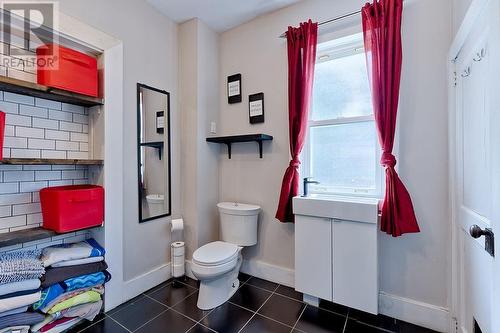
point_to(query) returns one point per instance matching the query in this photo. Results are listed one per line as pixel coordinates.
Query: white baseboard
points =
(423, 314)
(146, 281)
(269, 272)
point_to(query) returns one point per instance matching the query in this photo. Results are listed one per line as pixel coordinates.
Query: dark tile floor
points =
(259, 306)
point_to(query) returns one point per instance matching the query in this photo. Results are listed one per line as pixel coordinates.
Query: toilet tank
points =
(238, 223)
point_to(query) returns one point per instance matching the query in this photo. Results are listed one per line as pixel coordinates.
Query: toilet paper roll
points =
(176, 225)
(177, 261)
(177, 249)
(178, 270)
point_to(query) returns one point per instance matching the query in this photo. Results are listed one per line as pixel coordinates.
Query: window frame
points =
(328, 51)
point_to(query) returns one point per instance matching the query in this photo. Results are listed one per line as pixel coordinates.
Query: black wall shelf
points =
(157, 144)
(229, 140)
(36, 90)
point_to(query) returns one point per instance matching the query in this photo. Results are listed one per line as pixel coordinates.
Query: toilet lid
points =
(215, 253)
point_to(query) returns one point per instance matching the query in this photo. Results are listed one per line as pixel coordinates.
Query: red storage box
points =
(67, 69)
(70, 208)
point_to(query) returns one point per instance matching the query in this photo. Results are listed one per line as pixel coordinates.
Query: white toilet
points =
(217, 264)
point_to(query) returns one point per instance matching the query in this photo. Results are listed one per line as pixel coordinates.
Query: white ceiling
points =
(220, 15)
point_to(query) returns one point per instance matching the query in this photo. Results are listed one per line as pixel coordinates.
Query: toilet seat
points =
(215, 254)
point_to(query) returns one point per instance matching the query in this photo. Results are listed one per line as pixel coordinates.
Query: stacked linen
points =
(73, 285)
(20, 273)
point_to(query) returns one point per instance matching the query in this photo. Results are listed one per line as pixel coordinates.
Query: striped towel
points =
(20, 265)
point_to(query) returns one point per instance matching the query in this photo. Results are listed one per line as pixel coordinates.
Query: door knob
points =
(489, 245)
(475, 231)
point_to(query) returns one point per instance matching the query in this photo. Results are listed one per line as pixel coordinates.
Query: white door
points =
(476, 167)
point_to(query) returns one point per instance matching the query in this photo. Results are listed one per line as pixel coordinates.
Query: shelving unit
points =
(36, 90)
(28, 235)
(229, 140)
(40, 161)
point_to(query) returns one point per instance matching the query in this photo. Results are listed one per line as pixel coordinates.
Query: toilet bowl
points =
(217, 264)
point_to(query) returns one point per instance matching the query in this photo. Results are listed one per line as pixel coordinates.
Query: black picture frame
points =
(166, 152)
(259, 118)
(234, 84)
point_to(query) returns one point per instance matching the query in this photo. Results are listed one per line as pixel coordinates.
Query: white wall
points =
(413, 266)
(199, 105)
(150, 57)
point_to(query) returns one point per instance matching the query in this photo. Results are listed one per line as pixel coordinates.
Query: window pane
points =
(344, 155)
(341, 88)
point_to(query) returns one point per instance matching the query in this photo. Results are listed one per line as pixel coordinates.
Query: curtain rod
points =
(338, 18)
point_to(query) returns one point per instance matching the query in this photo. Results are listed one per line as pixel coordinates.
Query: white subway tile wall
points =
(39, 128)
(19, 191)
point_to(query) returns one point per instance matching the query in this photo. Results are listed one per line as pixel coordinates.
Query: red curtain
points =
(382, 38)
(301, 59)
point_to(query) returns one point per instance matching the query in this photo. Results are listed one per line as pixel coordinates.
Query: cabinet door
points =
(355, 266)
(313, 256)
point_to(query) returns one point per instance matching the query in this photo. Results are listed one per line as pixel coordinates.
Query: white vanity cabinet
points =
(336, 250)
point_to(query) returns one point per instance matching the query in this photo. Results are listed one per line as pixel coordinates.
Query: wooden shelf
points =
(228, 140)
(37, 90)
(28, 235)
(38, 161)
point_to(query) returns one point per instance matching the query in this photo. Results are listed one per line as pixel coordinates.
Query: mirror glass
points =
(153, 156)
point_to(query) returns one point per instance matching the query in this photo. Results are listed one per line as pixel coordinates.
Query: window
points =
(342, 151)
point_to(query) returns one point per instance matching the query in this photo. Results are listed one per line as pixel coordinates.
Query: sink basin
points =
(338, 207)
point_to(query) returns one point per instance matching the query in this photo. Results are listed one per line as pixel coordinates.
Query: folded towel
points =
(16, 329)
(55, 275)
(70, 294)
(21, 319)
(90, 296)
(64, 252)
(84, 281)
(8, 304)
(48, 319)
(8, 288)
(20, 265)
(85, 311)
(78, 261)
(60, 325)
(20, 293)
(14, 311)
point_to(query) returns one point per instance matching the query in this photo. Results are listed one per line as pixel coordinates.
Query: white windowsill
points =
(351, 208)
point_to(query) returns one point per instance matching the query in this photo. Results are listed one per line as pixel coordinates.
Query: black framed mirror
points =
(153, 152)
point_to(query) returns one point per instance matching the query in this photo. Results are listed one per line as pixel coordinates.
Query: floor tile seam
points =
(300, 316)
(293, 299)
(255, 313)
(157, 301)
(331, 311)
(185, 298)
(155, 289)
(120, 324)
(185, 315)
(187, 285)
(92, 324)
(374, 326)
(275, 320)
(346, 320)
(262, 288)
(147, 322)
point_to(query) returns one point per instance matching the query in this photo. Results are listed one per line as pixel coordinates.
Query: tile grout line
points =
(346, 320)
(116, 321)
(255, 313)
(147, 322)
(300, 316)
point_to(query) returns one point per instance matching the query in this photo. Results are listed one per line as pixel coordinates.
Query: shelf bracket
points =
(228, 149)
(260, 148)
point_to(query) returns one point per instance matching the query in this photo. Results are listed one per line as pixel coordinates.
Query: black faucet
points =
(307, 181)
